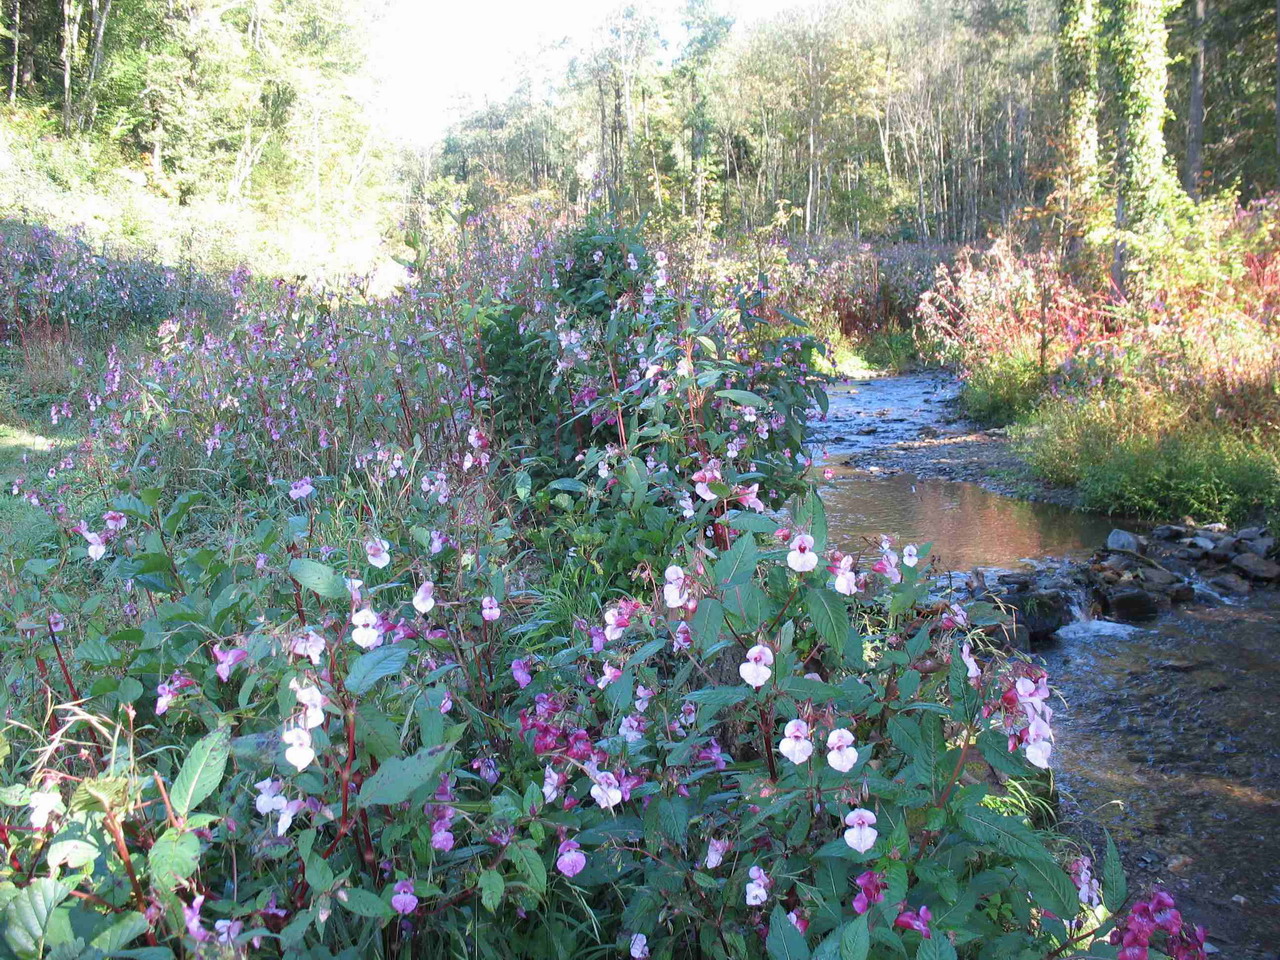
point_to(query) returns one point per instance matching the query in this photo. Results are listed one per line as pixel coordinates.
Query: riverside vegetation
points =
(334, 641)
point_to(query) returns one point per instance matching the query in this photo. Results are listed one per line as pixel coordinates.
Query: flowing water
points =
(1167, 735)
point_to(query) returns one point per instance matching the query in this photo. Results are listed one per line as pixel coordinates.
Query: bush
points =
(322, 664)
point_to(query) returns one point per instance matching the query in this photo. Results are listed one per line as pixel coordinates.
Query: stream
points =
(1167, 735)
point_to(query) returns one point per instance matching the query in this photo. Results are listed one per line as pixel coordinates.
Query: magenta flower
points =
(403, 901)
(520, 671)
(489, 609)
(227, 660)
(871, 888)
(115, 520)
(917, 920)
(570, 861)
(301, 489)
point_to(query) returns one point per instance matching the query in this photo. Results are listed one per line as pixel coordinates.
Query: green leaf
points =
(855, 941)
(27, 916)
(1115, 888)
(784, 942)
(524, 486)
(743, 398)
(364, 904)
(936, 947)
(174, 856)
(1050, 887)
(1009, 834)
(181, 507)
(201, 772)
(752, 522)
(527, 860)
(719, 697)
(491, 887)
(398, 778)
(319, 579)
(829, 614)
(374, 665)
(568, 484)
(127, 928)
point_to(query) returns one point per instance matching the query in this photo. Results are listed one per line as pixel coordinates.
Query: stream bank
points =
(1168, 727)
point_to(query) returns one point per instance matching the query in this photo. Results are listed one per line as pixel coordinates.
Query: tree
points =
(1078, 68)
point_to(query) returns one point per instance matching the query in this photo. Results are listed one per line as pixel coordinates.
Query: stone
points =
(1182, 593)
(1169, 531)
(1230, 583)
(1262, 546)
(1155, 577)
(1251, 533)
(928, 433)
(1123, 540)
(1042, 612)
(1256, 567)
(1200, 543)
(1225, 549)
(1132, 604)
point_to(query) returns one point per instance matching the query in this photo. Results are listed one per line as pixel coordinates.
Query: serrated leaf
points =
(201, 772)
(364, 903)
(27, 916)
(1050, 887)
(784, 941)
(174, 856)
(1115, 887)
(319, 578)
(936, 947)
(719, 697)
(855, 940)
(126, 928)
(1008, 834)
(529, 862)
(399, 777)
(491, 887)
(829, 614)
(371, 667)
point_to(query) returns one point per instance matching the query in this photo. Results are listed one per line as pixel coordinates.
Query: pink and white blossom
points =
(801, 557)
(861, 835)
(841, 753)
(796, 745)
(755, 670)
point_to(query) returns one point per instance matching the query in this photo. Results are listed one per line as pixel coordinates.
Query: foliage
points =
(295, 690)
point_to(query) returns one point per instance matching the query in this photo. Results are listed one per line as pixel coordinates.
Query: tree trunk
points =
(1195, 109)
(1078, 64)
(17, 49)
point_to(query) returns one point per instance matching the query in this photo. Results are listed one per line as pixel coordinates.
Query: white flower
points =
(606, 791)
(909, 555)
(310, 645)
(796, 745)
(632, 728)
(755, 669)
(43, 805)
(841, 753)
(639, 946)
(673, 592)
(757, 891)
(311, 700)
(861, 835)
(801, 558)
(1038, 753)
(378, 552)
(367, 633)
(424, 598)
(846, 577)
(299, 752)
(716, 849)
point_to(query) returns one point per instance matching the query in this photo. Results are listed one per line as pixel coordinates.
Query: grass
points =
(20, 522)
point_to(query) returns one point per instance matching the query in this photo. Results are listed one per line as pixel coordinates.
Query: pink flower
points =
(887, 565)
(966, 654)
(796, 745)
(115, 520)
(801, 558)
(749, 497)
(378, 552)
(97, 545)
(403, 901)
(570, 860)
(910, 557)
(708, 474)
(673, 592)
(861, 835)
(639, 947)
(57, 622)
(846, 576)
(520, 671)
(489, 609)
(716, 849)
(682, 639)
(955, 617)
(755, 669)
(609, 674)
(312, 702)
(757, 890)
(301, 489)
(841, 753)
(606, 791)
(227, 660)
(915, 920)
(424, 599)
(632, 728)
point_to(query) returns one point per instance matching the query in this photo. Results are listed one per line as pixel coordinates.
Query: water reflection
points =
(969, 526)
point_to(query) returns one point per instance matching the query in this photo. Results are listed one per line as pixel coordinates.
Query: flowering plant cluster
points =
(272, 697)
